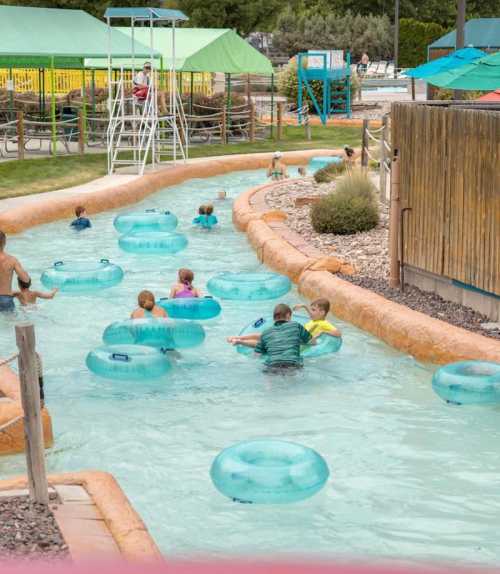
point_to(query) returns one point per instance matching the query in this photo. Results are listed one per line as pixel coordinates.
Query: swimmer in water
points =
(147, 307)
(81, 222)
(26, 296)
(184, 289)
(277, 170)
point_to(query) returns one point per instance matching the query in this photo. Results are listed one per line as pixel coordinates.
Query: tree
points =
(414, 37)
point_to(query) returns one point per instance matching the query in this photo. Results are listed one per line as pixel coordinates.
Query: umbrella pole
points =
(191, 87)
(272, 105)
(11, 95)
(53, 105)
(92, 91)
(84, 106)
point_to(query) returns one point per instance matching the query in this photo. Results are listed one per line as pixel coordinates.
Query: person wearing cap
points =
(141, 82)
(277, 170)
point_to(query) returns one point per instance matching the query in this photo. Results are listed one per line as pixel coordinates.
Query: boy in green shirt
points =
(281, 342)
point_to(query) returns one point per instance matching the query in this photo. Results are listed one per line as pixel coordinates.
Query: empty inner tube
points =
(128, 362)
(325, 343)
(191, 308)
(249, 286)
(269, 472)
(155, 332)
(148, 220)
(82, 277)
(468, 382)
(153, 242)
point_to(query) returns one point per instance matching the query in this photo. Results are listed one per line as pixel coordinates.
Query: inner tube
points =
(319, 162)
(249, 286)
(269, 472)
(82, 277)
(153, 242)
(324, 345)
(468, 382)
(147, 220)
(155, 332)
(128, 362)
(191, 308)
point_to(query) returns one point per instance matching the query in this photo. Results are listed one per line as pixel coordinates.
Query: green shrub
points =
(414, 37)
(351, 208)
(329, 172)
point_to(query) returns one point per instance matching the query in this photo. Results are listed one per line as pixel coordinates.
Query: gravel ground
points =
(29, 530)
(368, 253)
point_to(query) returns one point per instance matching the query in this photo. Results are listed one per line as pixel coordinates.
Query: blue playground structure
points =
(336, 83)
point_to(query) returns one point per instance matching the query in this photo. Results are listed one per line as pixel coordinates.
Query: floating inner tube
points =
(269, 472)
(153, 242)
(148, 220)
(82, 277)
(325, 343)
(155, 332)
(468, 382)
(319, 162)
(191, 308)
(128, 362)
(249, 286)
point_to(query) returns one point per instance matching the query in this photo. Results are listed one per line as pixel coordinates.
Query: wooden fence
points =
(450, 185)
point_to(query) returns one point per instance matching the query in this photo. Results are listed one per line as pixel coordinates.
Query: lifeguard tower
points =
(333, 70)
(136, 131)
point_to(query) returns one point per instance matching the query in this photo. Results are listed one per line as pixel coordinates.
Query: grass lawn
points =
(46, 174)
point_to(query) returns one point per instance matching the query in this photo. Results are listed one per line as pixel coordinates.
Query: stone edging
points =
(125, 525)
(424, 337)
(12, 437)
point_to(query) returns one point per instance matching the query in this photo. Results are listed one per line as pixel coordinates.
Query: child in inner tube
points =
(184, 289)
(318, 325)
(147, 307)
(280, 343)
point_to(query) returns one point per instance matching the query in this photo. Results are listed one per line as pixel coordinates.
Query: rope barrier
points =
(9, 359)
(13, 122)
(11, 423)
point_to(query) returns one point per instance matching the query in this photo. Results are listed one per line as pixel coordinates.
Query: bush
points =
(414, 37)
(351, 208)
(329, 172)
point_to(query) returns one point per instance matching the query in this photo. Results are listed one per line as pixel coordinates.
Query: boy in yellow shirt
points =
(318, 324)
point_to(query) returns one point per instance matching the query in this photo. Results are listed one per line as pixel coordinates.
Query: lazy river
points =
(412, 478)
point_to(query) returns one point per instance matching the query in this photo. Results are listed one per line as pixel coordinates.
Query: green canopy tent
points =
(483, 75)
(55, 38)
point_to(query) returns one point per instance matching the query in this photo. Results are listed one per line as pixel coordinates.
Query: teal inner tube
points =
(249, 286)
(269, 472)
(153, 242)
(82, 277)
(319, 162)
(468, 382)
(147, 220)
(197, 308)
(324, 345)
(155, 332)
(128, 362)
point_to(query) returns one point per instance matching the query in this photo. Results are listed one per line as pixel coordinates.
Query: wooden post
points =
(223, 132)
(81, 133)
(383, 157)
(413, 89)
(33, 429)
(364, 145)
(279, 121)
(394, 221)
(251, 133)
(307, 126)
(20, 134)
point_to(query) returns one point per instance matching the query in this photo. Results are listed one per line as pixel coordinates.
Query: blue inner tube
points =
(269, 472)
(153, 242)
(191, 308)
(324, 345)
(128, 362)
(468, 382)
(82, 277)
(155, 332)
(148, 220)
(319, 162)
(249, 286)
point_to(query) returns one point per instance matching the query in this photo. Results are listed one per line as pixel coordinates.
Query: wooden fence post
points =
(81, 133)
(33, 428)
(364, 144)
(394, 221)
(413, 89)
(223, 125)
(251, 134)
(279, 120)
(383, 157)
(20, 134)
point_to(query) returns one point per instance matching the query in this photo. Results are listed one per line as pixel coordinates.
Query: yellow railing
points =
(31, 80)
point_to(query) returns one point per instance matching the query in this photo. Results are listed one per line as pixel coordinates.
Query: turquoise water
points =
(411, 477)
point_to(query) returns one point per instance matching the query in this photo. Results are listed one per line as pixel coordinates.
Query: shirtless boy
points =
(8, 265)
